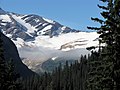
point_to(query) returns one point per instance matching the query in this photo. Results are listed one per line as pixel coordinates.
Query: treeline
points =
(67, 77)
(72, 76)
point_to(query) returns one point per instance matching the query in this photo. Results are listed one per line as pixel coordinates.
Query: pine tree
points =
(110, 54)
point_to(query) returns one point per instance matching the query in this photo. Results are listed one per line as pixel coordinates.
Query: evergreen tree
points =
(110, 54)
(94, 72)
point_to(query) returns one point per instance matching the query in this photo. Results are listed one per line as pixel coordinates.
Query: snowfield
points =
(82, 39)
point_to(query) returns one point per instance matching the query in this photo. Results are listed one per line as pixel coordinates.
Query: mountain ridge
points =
(30, 25)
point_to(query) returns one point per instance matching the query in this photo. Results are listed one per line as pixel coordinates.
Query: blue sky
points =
(73, 13)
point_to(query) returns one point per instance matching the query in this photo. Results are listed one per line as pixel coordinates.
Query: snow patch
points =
(19, 42)
(5, 18)
(45, 29)
(30, 28)
(44, 24)
(54, 58)
(48, 20)
(63, 28)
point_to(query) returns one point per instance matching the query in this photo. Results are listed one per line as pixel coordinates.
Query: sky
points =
(75, 14)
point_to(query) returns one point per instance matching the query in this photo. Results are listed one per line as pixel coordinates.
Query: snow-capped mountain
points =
(28, 27)
(39, 39)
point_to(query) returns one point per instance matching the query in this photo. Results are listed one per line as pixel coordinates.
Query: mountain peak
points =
(28, 27)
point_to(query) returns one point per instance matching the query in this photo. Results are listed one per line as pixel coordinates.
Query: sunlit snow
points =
(5, 18)
(48, 20)
(30, 28)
